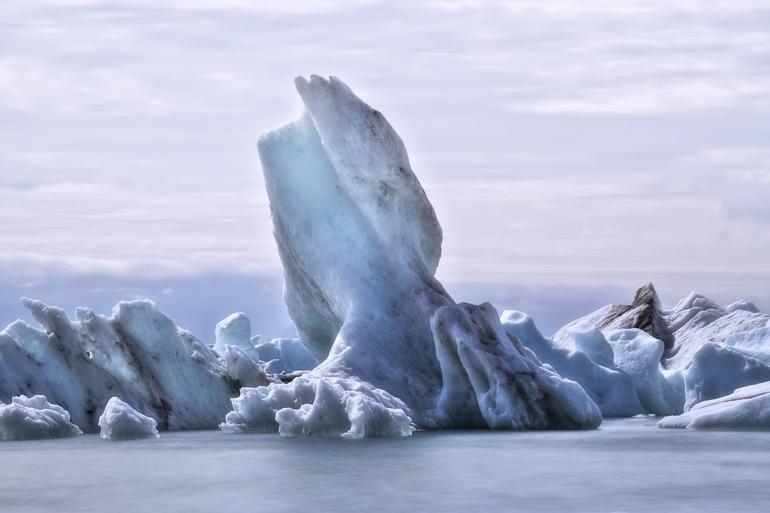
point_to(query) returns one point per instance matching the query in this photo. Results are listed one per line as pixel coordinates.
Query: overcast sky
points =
(581, 147)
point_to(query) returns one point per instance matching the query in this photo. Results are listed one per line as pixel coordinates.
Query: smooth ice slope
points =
(746, 408)
(717, 370)
(138, 354)
(638, 354)
(611, 389)
(121, 422)
(28, 418)
(360, 242)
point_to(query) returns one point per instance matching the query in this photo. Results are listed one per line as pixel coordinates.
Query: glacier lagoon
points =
(384, 351)
(627, 465)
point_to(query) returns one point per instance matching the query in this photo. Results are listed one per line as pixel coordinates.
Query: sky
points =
(572, 150)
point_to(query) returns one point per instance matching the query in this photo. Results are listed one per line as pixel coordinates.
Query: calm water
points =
(626, 466)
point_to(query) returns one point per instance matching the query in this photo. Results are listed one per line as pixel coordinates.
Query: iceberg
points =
(746, 408)
(234, 330)
(360, 243)
(611, 389)
(138, 354)
(718, 370)
(285, 355)
(30, 418)
(644, 313)
(638, 354)
(330, 406)
(121, 422)
(696, 320)
(683, 329)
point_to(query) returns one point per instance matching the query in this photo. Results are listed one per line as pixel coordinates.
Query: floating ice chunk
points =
(746, 408)
(359, 243)
(694, 321)
(717, 371)
(491, 379)
(612, 390)
(638, 354)
(319, 406)
(121, 422)
(28, 418)
(138, 354)
(283, 355)
(234, 330)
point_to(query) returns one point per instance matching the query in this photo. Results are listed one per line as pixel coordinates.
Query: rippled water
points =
(626, 466)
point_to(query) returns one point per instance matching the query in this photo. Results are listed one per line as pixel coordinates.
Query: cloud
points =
(559, 141)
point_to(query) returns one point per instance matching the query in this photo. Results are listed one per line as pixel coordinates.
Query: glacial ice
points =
(696, 320)
(284, 355)
(638, 354)
(29, 418)
(718, 370)
(611, 389)
(120, 421)
(491, 376)
(746, 408)
(234, 330)
(644, 313)
(138, 354)
(319, 406)
(691, 323)
(360, 243)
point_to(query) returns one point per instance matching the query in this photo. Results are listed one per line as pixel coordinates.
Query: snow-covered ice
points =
(746, 408)
(28, 418)
(120, 421)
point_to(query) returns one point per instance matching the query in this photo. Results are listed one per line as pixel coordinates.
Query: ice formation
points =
(718, 370)
(138, 354)
(360, 243)
(697, 320)
(283, 355)
(746, 408)
(121, 422)
(644, 313)
(638, 354)
(691, 323)
(611, 389)
(28, 418)
(714, 350)
(234, 330)
(328, 406)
